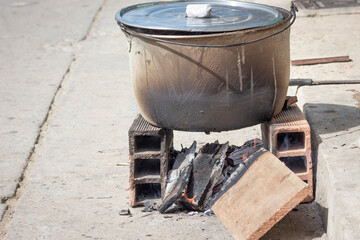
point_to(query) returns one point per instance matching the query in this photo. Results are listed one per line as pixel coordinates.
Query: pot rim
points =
(287, 15)
(252, 15)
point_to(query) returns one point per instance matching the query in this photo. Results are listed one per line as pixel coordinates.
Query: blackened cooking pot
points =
(221, 73)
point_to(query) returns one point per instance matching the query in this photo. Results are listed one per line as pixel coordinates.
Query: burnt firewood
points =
(236, 175)
(236, 157)
(207, 169)
(178, 178)
(239, 154)
(216, 173)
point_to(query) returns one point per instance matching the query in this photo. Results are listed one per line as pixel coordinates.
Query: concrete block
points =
(287, 136)
(149, 154)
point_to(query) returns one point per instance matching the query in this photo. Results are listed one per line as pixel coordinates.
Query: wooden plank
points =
(312, 61)
(262, 195)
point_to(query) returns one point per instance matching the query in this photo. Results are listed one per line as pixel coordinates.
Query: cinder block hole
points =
(147, 168)
(305, 181)
(147, 191)
(147, 143)
(290, 141)
(296, 164)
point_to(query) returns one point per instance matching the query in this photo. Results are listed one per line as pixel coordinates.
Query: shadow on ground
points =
(302, 223)
(331, 118)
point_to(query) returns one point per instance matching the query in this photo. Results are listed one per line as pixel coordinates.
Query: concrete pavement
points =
(326, 36)
(36, 52)
(334, 115)
(67, 102)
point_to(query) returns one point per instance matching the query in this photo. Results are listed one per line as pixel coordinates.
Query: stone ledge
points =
(334, 116)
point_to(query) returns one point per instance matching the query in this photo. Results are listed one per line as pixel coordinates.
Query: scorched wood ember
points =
(236, 157)
(246, 184)
(195, 179)
(207, 168)
(178, 177)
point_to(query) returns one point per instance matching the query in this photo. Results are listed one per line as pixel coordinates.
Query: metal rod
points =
(303, 82)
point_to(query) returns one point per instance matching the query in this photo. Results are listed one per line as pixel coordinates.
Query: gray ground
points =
(66, 103)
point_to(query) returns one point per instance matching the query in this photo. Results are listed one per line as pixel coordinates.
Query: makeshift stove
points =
(246, 183)
(185, 75)
(158, 172)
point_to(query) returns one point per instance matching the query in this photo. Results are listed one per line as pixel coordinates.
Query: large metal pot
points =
(193, 87)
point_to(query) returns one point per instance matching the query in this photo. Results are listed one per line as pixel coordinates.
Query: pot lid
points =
(225, 16)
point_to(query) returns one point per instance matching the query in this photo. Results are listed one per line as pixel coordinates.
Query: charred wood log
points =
(236, 175)
(178, 178)
(207, 169)
(235, 157)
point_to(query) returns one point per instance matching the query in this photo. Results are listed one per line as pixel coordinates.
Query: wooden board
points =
(313, 61)
(262, 196)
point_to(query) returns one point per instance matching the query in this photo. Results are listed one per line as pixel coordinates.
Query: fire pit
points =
(235, 182)
(224, 71)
